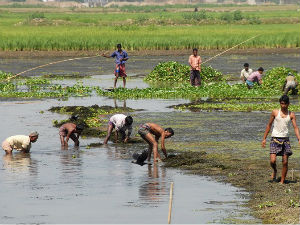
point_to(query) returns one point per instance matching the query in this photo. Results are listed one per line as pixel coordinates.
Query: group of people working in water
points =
(151, 132)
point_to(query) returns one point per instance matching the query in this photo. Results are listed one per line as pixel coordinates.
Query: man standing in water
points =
(19, 142)
(255, 77)
(195, 63)
(121, 57)
(69, 130)
(290, 84)
(280, 143)
(145, 130)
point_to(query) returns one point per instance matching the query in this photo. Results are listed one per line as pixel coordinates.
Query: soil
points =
(49, 54)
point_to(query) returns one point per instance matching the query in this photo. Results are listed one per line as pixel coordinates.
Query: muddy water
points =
(81, 185)
(227, 63)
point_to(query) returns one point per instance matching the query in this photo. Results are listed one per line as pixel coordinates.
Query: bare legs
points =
(153, 146)
(284, 167)
(116, 80)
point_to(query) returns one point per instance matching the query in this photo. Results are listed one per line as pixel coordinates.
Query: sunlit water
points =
(100, 185)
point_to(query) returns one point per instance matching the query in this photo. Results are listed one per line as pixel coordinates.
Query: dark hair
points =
(170, 130)
(79, 127)
(119, 46)
(195, 49)
(260, 69)
(285, 99)
(246, 65)
(128, 120)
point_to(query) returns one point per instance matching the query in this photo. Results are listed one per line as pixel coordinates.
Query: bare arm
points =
(293, 118)
(69, 134)
(268, 128)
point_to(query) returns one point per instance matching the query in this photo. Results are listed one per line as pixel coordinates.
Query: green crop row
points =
(149, 37)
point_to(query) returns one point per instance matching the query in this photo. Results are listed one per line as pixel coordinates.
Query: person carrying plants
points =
(121, 123)
(195, 63)
(280, 143)
(290, 84)
(69, 130)
(245, 73)
(255, 77)
(19, 142)
(145, 131)
(121, 57)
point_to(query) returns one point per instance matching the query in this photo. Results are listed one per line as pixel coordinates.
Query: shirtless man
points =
(145, 130)
(68, 130)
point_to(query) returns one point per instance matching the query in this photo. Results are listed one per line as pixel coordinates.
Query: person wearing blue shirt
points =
(121, 57)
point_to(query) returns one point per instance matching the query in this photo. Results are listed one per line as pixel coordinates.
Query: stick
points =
(170, 203)
(230, 49)
(34, 68)
(293, 174)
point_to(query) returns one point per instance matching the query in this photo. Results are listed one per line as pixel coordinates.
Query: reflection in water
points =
(154, 189)
(116, 105)
(20, 163)
(71, 166)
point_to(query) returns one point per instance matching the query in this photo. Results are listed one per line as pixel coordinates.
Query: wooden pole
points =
(170, 203)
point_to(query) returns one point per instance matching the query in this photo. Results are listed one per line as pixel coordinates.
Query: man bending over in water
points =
(69, 130)
(121, 123)
(145, 130)
(280, 143)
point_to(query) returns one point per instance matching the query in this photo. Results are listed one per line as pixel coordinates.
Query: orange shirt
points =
(195, 62)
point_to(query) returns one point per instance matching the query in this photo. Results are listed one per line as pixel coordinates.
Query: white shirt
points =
(119, 121)
(19, 142)
(245, 73)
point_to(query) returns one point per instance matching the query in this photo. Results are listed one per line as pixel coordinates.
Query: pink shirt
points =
(255, 75)
(195, 62)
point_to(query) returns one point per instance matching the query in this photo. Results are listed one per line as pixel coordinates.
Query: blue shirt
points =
(117, 55)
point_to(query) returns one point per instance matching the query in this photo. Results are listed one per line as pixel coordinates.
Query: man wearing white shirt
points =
(245, 73)
(121, 123)
(19, 142)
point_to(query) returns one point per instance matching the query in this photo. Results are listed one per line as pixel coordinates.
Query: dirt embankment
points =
(270, 201)
(38, 54)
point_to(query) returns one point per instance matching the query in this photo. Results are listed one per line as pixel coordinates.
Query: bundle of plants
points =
(175, 72)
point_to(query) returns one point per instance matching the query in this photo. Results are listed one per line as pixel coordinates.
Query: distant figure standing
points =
(121, 123)
(146, 130)
(290, 84)
(19, 142)
(245, 73)
(255, 77)
(121, 57)
(280, 143)
(195, 63)
(69, 130)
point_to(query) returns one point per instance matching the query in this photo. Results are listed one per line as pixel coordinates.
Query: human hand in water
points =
(263, 143)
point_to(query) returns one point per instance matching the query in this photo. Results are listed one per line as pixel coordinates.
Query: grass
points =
(49, 31)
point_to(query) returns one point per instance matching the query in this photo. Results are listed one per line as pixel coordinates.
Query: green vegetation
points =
(20, 87)
(92, 117)
(176, 72)
(88, 30)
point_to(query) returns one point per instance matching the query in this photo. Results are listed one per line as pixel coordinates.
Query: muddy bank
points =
(272, 202)
(49, 54)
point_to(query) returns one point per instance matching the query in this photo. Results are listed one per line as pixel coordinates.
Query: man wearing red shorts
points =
(121, 57)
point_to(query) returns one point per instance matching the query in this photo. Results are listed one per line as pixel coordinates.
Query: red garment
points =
(120, 70)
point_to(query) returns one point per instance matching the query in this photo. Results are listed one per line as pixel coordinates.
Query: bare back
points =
(155, 129)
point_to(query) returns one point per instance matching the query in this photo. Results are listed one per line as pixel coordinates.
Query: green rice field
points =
(35, 29)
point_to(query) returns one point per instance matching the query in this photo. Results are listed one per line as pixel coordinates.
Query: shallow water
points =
(51, 185)
(227, 64)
